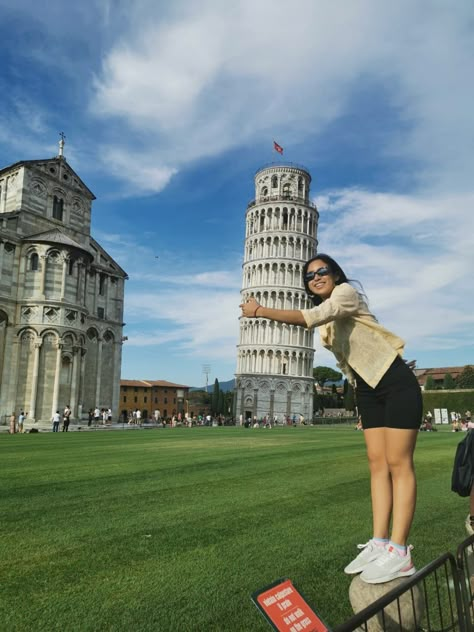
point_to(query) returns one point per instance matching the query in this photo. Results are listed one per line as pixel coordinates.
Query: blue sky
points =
(170, 108)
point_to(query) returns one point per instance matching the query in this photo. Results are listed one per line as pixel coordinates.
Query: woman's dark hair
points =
(336, 271)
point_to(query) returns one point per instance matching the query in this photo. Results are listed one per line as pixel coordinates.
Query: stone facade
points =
(275, 361)
(61, 296)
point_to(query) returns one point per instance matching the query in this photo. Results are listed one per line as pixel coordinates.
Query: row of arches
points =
(283, 183)
(279, 247)
(269, 361)
(282, 275)
(68, 338)
(49, 369)
(49, 272)
(282, 219)
(279, 300)
(276, 384)
(50, 256)
(258, 331)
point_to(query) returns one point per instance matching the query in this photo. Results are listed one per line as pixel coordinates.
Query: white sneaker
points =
(370, 552)
(388, 566)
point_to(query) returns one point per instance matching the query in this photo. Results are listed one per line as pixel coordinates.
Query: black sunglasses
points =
(320, 272)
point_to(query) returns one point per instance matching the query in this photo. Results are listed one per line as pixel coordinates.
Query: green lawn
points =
(173, 529)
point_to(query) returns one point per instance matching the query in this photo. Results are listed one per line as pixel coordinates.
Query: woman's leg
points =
(400, 445)
(380, 481)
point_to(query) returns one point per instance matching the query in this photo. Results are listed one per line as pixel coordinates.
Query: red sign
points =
(285, 608)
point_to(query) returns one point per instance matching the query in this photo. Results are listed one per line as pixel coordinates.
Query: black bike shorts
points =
(395, 402)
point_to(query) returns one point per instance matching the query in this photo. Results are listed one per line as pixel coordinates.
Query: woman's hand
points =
(249, 308)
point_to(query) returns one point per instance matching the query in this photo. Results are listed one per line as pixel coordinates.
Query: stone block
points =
(404, 616)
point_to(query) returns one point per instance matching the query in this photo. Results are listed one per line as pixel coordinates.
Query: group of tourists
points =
(66, 418)
(99, 416)
(17, 424)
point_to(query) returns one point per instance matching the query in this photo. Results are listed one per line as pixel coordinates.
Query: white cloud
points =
(199, 322)
(211, 76)
(413, 255)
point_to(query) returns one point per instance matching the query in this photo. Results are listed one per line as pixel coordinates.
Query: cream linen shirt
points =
(352, 333)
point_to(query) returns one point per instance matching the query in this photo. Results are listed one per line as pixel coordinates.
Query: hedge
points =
(458, 401)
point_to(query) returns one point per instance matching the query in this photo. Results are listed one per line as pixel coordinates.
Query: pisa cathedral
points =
(61, 296)
(274, 374)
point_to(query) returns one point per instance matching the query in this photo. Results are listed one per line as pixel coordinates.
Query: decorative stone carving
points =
(50, 314)
(38, 188)
(28, 313)
(27, 338)
(71, 315)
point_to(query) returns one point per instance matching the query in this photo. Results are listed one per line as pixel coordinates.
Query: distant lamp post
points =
(206, 369)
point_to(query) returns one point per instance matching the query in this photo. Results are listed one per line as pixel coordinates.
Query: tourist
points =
(91, 417)
(66, 418)
(21, 419)
(13, 423)
(389, 402)
(56, 419)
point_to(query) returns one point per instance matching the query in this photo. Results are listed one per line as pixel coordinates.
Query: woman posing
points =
(388, 400)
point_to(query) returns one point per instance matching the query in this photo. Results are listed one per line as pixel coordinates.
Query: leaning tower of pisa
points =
(275, 361)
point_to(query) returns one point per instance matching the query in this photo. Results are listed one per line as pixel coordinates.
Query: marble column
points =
(288, 402)
(116, 383)
(57, 374)
(65, 261)
(2, 250)
(81, 378)
(44, 260)
(34, 381)
(98, 373)
(272, 402)
(255, 402)
(74, 384)
(12, 366)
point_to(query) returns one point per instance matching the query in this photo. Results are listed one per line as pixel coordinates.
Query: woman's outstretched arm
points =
(288, 316)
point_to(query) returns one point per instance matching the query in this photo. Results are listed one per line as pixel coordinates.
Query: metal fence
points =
(438, 598)
(465, 565)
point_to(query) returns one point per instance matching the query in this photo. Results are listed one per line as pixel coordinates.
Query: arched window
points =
(34, 262)
(286, 190)
(58, 208)
(274, 182)
(265, 191)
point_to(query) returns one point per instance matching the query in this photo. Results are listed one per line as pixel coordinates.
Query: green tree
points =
(228, 403)
(466, 378)
(448, 382)
(215, 397)
(430, 384)
(323, 374)
(349, 398)
(221, 405)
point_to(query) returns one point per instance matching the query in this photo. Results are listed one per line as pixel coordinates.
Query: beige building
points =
(61, 296)
(149, 396)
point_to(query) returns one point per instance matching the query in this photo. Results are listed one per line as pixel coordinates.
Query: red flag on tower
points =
(277, 147)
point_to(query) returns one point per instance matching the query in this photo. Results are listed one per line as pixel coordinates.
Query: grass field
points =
(173, 529)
